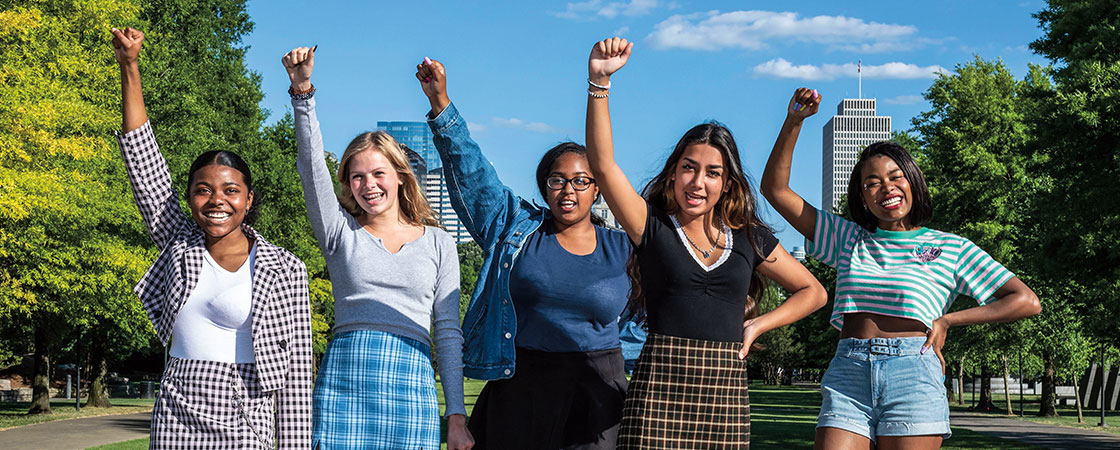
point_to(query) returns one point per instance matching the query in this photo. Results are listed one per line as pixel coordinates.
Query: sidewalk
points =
(1048, 436)
(78, 433)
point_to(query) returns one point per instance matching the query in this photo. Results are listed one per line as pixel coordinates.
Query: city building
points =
(423, 158)
(854, 127)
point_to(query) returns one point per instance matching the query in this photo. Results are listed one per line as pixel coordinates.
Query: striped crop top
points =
(910, 274)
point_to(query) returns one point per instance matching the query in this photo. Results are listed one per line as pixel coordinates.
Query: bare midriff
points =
(868, 325)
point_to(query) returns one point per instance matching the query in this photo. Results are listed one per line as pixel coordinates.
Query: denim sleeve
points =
(483, 203)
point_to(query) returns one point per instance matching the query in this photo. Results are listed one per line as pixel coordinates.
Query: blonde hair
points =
(413, 206)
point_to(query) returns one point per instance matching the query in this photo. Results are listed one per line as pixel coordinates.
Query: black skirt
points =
(687, 393)
(569, 400)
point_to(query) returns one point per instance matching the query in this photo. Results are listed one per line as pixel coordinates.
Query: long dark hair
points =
(544, 168)
(921, 210)
(738, 207)
(234, 161)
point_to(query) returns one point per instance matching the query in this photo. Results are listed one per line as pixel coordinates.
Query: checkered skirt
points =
(375, 390)
(212, 405)
(687, 393)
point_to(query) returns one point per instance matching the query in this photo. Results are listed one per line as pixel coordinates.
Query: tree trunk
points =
(98, 371)
(985, 389)
(960, 383)
(41, 382)
(1077, 399)
(1046, 406)
(1007, 386)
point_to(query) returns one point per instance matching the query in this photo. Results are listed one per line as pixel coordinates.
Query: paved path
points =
(77, 433)
(1048, 436)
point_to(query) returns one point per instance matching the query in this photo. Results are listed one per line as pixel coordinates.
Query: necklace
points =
(719, 234)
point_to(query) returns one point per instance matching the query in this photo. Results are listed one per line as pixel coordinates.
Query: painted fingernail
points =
(313, 47)
(797, 107)
(815, 94)
(923, 350)
(427, 61)
(427, 79)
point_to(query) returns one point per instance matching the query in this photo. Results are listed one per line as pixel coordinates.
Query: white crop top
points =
(215, 323)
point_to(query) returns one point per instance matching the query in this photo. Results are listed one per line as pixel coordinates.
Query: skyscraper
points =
(423, 158)
(854, 127)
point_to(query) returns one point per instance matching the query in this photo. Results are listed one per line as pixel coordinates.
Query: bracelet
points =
(608, 86)
(301, 95)
(593, 94)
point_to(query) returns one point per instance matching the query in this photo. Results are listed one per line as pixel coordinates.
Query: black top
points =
(683, 298)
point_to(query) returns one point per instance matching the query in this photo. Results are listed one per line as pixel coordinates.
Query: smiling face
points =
(568, 204)
(698, 179)
(373, 182)
(886, 193)
(219, 199)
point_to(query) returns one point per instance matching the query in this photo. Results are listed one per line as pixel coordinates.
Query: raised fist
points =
(804, 103)
(607, 56)
(126, 45)
(299, 63)
(433, 78)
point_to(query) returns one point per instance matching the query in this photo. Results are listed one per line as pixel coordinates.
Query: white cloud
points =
(513, 122)
(904, 100)
(780, 68)
(476, 127)
(755, 30)
(621, 32)
(595, 9)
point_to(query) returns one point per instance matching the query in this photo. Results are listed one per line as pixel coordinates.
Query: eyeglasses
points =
(580, 183)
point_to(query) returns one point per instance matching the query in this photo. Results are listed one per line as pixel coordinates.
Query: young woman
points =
(543, 318)
(234, 307)
(700, 249)
(895, 280)
(395, 280)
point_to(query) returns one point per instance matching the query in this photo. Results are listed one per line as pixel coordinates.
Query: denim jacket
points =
(500, 222)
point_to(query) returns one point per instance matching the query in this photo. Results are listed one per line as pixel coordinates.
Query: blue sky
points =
(517, 69)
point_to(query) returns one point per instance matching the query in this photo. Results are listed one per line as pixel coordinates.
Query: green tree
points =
(68, 233)
(972, 146)
(1079, 133)
(470, 264)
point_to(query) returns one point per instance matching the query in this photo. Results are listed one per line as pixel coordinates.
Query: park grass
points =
(14, 414)
(781, 418)
(136, 444)
(1067, 414)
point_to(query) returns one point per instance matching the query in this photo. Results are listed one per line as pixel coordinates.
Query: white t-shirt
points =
(215, 323)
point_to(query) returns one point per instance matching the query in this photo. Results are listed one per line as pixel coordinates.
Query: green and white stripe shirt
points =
(910, 274)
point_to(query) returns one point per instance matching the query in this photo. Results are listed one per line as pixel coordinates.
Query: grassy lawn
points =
(781, 418)
(1067, 415)
(14, 414)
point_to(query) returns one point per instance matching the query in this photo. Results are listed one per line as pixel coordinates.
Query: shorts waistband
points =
(881, 346)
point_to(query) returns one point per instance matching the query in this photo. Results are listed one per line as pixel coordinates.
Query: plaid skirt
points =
(211, 405)
(375, 390)
(687, 393)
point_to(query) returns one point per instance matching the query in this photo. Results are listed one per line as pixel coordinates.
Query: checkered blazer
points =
(281, 312)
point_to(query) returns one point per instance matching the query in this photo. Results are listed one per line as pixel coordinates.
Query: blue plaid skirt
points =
(375, 390)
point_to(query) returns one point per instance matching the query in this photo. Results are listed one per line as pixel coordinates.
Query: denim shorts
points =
(885, 387)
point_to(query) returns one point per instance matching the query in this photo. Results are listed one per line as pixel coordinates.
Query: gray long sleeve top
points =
(407, 293)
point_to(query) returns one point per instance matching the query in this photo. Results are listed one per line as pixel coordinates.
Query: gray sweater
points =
(407, 293)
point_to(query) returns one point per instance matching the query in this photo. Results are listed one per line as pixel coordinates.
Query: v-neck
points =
(381, 242)
(688, 247)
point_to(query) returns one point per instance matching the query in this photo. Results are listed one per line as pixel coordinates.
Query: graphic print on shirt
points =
(927, 253)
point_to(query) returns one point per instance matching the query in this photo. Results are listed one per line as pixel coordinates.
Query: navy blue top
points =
(566, 302)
